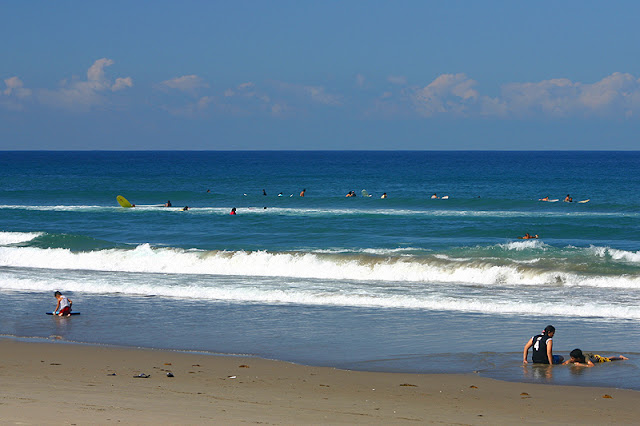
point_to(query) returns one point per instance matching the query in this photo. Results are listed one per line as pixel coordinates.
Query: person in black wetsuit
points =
(542, 345)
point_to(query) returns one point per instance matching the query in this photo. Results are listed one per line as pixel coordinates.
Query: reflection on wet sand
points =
(542, 372)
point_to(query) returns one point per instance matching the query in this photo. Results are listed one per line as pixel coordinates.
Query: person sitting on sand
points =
(528, 236)
(568, 199)
(542, 348)
(63, 307)
(588, 359)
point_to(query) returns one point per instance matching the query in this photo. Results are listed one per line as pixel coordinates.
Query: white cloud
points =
(15, 87)
(15, 94)
(186, 83)
(615, 95)
(360, 80)
(82, 95)
(449, 93)
(122, 83)
(317, 94)
(95, 72)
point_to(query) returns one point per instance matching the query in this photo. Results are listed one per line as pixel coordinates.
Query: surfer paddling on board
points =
(542, 345)
(544, 199)
(63, 307)
(528, 236)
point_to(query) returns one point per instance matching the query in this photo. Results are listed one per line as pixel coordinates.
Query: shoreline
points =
(75, 383)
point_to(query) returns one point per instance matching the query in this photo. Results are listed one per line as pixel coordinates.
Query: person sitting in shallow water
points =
(542, 345)
(577, 357)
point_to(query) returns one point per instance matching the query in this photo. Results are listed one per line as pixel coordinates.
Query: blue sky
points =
(325, 74)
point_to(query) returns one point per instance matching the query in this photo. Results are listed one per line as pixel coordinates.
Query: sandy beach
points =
(79, 384)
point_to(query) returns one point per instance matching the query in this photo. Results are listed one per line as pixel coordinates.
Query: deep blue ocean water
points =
(406, 283)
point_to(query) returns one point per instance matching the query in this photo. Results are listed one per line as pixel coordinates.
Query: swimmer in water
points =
(528, 236)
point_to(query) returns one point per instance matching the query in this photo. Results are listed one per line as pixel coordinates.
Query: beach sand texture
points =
(60, 383)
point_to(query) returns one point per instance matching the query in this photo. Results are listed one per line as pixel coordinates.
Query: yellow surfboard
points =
(123, 201)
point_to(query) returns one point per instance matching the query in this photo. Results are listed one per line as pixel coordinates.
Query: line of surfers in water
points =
(567, 199)
(233, 212)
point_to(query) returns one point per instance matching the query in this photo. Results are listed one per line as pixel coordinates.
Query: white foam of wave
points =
(615, 254)
(524, 245)
(55, 208)
(17, 237)
(145, 259)
(324, 296)
(331, 211)
(374, 251)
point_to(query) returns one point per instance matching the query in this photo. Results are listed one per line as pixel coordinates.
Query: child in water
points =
(588, 359)
(63, 307)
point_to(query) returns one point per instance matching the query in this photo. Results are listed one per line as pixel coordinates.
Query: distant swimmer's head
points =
(577, 355)
(549, 330)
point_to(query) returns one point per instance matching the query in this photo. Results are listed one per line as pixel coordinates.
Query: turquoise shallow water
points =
(406, 283)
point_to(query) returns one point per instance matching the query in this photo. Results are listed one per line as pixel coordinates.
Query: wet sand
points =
(60, 383)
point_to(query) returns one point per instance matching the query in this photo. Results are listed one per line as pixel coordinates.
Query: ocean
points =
(406, 283)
